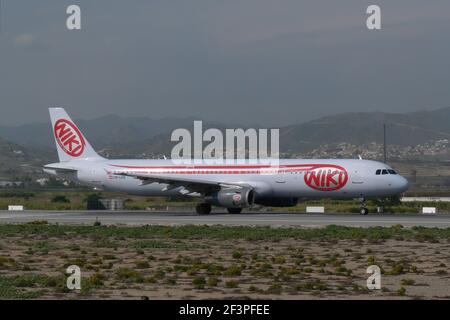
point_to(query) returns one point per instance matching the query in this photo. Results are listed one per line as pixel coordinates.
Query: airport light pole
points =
(384, 143)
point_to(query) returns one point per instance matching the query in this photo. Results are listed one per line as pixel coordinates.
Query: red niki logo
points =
(69, 138)
(237, 197)
(327, 177)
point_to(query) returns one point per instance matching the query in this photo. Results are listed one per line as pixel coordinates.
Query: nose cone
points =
(401, 184)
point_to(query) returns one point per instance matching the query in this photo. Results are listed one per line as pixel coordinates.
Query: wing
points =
(188, 185)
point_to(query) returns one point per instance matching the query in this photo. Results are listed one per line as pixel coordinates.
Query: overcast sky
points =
(241, 61)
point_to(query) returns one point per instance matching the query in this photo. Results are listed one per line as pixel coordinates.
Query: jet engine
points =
(233, 198)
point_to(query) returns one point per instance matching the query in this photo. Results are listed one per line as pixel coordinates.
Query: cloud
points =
(259, 61)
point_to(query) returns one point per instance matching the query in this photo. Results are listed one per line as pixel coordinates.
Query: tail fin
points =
(70, 142)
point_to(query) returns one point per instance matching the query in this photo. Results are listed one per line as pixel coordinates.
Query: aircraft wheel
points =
(203, 208)
(234, 210)
(364, 211)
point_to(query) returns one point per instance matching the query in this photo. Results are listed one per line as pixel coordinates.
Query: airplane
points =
(231, 186)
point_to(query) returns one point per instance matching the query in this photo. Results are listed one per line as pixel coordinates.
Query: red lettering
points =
(330, 179)
(69, 137)
(326, 178)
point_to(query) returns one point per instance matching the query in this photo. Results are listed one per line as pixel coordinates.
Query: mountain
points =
(407, 129)
(104, 132)
(119, 136)
(17, 161)
(404, 130)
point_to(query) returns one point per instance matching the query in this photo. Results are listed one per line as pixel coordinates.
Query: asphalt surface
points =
(245, 219)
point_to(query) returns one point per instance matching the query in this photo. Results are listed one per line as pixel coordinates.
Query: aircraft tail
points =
(70, 142)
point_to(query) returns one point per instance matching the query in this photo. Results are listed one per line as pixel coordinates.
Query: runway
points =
(245, 219)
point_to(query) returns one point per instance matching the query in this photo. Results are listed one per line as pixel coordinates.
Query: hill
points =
(18, 162)
(115, 136)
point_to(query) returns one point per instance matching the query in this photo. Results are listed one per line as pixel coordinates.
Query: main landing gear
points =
(203, 208)
(362, 207)
(234, 210)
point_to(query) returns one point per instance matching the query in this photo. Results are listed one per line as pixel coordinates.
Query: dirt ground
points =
(120, 268)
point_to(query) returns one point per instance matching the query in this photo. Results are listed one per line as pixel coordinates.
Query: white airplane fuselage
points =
(233, 185)
(301, 178)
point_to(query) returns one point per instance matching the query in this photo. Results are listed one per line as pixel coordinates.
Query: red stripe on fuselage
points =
(220, 167)
(225, 169)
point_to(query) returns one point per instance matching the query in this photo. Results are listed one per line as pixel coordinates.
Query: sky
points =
(236, 61)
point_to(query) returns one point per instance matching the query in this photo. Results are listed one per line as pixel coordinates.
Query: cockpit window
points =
(378, 172)
(392, 171)
(384, 171)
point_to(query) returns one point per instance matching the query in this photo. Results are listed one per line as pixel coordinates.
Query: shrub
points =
(371, 260)
(151, 280)
(214, 269)
(129, 274)
(142, 264)
(401, 291)
(313, 285)
(171, 281)
(233, 270)
(96, 279)
(60, 199)
(38, 222)
(199, 282)
(279, 260)
(93, 197)
(212, 281)
(192, 271)
(396, 270)
(407, 282)
(253, 289)
(274, 289)
(237, 255)
(231, 284)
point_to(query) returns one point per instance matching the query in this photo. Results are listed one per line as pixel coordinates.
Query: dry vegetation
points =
(76, 200)
(222, 262)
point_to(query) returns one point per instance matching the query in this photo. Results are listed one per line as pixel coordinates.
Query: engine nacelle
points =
(233, 198)
(277, 202)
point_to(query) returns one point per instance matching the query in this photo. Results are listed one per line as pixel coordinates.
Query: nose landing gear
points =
(362, 207)
(203, 208)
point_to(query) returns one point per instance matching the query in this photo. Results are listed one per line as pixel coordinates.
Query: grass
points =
(331, 232)
(129, 274)
(76, 200)
(28, 286)
(144, 258)
(345, 206)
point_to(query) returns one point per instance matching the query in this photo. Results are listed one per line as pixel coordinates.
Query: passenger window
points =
(378, 172)
(384, 171)
(392, 171)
